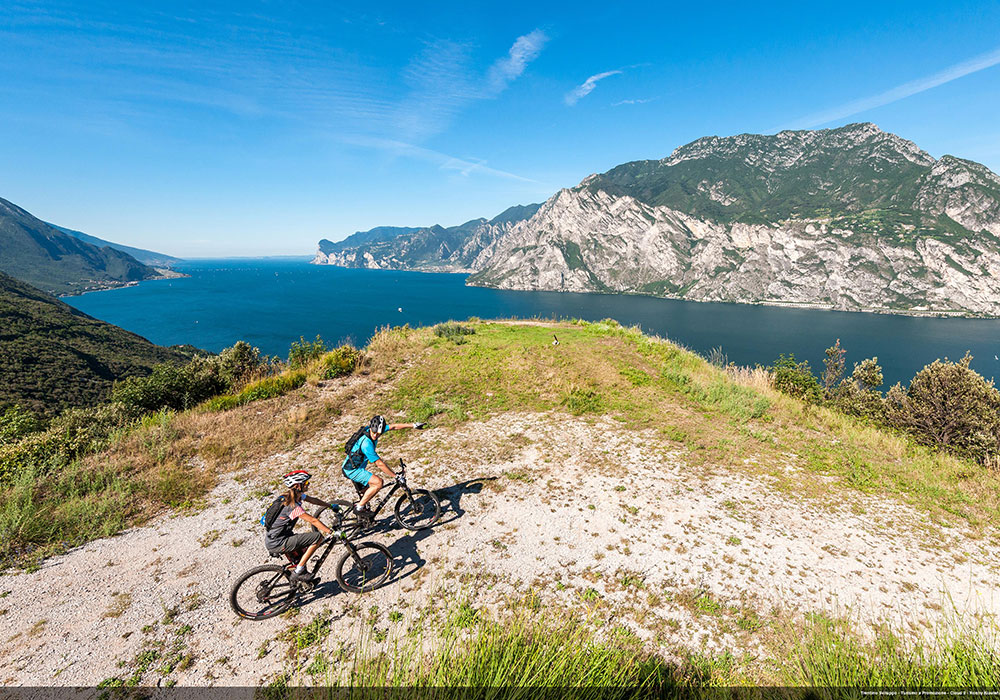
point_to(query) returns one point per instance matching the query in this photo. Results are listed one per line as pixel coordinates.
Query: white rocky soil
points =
(587, 515)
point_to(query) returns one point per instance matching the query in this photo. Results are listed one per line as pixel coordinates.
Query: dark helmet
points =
(377, 425)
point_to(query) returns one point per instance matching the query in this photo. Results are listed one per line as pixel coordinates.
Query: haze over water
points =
(272, 302)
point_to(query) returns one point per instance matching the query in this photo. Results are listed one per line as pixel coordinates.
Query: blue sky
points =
(257, 128)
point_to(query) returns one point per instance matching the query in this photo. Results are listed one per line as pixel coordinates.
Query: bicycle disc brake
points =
(263, 592)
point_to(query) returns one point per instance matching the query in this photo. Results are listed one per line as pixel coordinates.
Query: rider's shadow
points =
(451, 497)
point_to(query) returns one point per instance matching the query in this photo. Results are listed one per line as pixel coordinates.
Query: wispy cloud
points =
(443, 83)
(632, 102)
(914, 87)
(525, 50)
(588, 85)
(462, 166)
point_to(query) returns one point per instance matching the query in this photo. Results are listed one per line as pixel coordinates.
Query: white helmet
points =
(299, 476)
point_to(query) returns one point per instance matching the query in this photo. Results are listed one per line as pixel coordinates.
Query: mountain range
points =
(852, 218)
(146, 257)
(56, 262)
(432, 248)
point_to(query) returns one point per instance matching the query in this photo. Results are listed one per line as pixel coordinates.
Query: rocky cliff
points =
(849, 218)
(434, 248)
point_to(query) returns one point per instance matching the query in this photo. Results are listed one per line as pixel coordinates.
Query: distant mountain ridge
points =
(45, 257)
(54, 356)
(146, 257)
(852, 218)
(432, 248)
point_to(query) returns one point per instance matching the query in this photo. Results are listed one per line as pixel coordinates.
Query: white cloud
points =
(581, 91)
(631, 102)
(525, 50)
(959, 70)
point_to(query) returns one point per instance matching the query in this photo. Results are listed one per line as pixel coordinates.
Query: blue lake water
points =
(272, 302)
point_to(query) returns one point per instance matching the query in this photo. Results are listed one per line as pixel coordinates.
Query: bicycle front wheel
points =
(364, 567)
(262, 592)
(418, 509)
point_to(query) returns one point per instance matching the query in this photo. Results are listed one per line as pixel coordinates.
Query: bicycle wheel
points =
(343, 519)
(262, 592)
(418, 510)
(364, 567)
(333, 518)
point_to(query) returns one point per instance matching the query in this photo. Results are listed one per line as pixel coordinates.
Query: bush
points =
(239, 364)
(266, 388)
(170, 386)
(950, 405)
(339, 362)
(303, 352)
(859, 395)
(453, 332)
(76, 432)
(795, 379)
(15, 423)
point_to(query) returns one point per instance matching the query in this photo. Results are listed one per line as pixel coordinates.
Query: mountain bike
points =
(416, 509)
(266, 591)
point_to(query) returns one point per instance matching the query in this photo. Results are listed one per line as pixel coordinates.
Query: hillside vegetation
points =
(54, 356)
(45, 257)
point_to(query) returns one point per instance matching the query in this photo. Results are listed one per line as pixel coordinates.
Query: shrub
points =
(795, 379)
(15, 423)
(76, 432)
(170, 386)
(453, 332)
(859, 394)
(303, 352)
(950, 405)
(580, 401)
(266, 388)
(239, 364)
(834, 367)
(339, 362)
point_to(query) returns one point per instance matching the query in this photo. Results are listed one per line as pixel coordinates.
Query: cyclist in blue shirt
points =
(357, 464)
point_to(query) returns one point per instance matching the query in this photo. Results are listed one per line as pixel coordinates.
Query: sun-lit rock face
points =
(850, 218)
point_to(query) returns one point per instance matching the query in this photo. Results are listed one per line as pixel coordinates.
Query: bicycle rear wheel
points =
(364, 567)
(340, 518)
(418, 510)
(262, 592)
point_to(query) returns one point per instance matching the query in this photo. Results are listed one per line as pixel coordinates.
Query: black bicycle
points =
(416, 509)
(266, 591)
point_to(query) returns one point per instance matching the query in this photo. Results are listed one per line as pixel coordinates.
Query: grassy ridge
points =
(722, 417)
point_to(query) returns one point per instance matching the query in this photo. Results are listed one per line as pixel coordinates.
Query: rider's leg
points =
(304, 561)
(374, 484)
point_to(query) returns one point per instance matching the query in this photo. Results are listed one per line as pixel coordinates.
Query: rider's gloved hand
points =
(419, 426)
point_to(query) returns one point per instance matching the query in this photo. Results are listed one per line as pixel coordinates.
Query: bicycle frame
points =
(396, 486)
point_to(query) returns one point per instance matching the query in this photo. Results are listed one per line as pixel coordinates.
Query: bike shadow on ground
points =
(406, 558)
(405, 551)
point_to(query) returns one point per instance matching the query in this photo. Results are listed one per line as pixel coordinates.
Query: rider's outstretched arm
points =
(400, 426)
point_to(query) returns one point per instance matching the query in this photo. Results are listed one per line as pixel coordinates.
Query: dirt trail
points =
(536, 501)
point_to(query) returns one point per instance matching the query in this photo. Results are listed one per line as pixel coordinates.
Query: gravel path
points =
(531, 501)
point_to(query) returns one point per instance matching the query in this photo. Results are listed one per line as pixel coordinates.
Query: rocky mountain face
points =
(848, 218)
(431, 249)
(45, 257)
